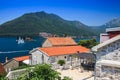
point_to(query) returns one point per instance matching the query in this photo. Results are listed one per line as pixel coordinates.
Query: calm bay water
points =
(9, 46)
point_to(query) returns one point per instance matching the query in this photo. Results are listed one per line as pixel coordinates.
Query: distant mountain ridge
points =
(111, 24)
(34, 23)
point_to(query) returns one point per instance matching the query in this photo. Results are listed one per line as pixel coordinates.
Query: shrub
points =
(61, 62)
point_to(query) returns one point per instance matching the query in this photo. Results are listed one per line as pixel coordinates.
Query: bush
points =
(61, 62)
(67, 78)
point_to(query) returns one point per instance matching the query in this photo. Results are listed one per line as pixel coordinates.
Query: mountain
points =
(34, 23)
(111, 24)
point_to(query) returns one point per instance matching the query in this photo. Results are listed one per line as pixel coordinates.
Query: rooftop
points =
(113, 29)
(57, 41)
(53, 51)
(22, 58)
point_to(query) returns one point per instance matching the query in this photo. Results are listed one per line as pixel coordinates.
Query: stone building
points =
(53, 54)
(58, 41)
(108, 59)
(14, 63)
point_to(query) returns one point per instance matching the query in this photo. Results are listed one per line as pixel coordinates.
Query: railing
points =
(15, 74)
(67, 64)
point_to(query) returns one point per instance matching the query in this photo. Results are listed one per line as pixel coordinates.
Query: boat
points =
(20, 40)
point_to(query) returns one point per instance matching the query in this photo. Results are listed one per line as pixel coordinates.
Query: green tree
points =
(40, 72)
(2, 77)
(88, 43)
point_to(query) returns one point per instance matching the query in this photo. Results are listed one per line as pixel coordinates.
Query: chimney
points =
(6, 59)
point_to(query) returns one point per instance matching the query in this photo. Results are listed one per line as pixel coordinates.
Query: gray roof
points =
(113, 29)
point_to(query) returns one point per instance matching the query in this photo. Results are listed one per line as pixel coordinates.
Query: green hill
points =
(34, 23)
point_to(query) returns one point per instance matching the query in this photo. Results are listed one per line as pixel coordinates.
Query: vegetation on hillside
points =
(33, 23)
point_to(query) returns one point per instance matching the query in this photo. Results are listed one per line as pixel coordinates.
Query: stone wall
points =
(107, 73)
(47, 43)
(109, 52)
(12, 64)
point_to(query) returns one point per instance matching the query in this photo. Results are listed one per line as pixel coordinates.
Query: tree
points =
(40, 72)
(88, 43)
(3, 77)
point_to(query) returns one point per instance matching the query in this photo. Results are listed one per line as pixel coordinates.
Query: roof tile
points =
(60, 41)
(22, 58)
(53, 51)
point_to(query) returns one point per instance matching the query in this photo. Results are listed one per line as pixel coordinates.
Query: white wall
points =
(37, 57)
(61, 57)
(103, 37)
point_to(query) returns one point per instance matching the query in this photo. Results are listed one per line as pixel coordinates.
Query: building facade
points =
(108, 59)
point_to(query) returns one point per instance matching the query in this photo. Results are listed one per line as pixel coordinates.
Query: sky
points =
(89, 12)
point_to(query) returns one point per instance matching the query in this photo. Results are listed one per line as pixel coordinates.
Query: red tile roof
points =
(2, 70)
(60, 41)
(53, 51)
(22, 58)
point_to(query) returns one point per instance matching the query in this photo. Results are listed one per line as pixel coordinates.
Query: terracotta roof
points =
(53, 51)
(2, 70)
(56, 41)
(22, 58)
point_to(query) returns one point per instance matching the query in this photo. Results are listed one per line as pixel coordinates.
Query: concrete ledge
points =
(110, 63)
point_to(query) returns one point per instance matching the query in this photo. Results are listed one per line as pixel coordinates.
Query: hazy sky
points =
(89, 12)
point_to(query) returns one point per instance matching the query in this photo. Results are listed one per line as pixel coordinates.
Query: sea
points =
(10, 48)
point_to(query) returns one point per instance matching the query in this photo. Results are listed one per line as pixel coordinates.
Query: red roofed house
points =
(59, 41)
(53, 54)
(2, 70)
(55, 49)
(14, 63)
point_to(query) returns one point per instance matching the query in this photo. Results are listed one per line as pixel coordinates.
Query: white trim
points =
(95, 48)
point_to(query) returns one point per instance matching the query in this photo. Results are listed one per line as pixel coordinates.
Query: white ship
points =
(20, 40)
